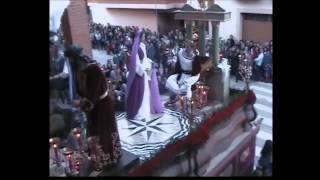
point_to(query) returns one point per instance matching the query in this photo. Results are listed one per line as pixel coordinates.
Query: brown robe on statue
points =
(101, 119)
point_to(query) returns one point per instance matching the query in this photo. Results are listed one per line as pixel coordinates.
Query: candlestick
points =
(77, 134)
(109, 84)
(79, 141)
(192, 102)
(181, 103)
(70, 162)
(55, 151)
(201, 96)
(78, 167)
(54, 142)
(204, 98)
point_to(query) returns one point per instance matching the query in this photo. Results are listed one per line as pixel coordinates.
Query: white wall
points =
(236, 7)
(56, 10)
(99, 14)
(124, 17)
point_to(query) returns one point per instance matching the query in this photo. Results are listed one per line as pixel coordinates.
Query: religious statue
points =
(142, 83)
(97, 100)
(181, 82)
(189, 68)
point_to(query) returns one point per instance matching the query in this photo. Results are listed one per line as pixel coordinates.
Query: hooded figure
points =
(142, 83)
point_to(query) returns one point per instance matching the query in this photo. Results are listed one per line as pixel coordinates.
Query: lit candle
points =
(181, 103)
(109, 84)
(55, 148)
(78, 135)
(192, 102)
(204, 98)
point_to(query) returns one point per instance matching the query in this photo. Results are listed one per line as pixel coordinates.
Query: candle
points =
(70, 162)
(181, 103)
(204, 97)
(192, 102)
(201, 96)
(55, 148)
(78, 135)
(187, 107)
(109, 84)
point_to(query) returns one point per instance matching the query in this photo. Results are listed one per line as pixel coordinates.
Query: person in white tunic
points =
(181, 82)
(143, 68)
(187, 74)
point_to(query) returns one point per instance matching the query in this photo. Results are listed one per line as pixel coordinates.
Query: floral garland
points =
(195, 138)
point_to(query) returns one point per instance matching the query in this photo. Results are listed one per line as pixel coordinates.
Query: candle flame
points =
(50, 140)
(204, 93)
(78, 135)
(55, 145)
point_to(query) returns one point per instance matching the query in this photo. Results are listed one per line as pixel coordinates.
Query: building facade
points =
(250, 19)
(156, 15)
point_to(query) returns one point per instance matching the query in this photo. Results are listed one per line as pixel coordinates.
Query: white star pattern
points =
(146, 127)
(145, 137)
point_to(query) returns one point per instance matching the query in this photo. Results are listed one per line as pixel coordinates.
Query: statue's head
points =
(189, 45)
(201, 64)
(73, 52)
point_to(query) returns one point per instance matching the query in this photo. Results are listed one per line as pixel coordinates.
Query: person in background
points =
(64, 77)
(241, 56)
(151, 50)
(231, 41)
(97, 36)
(267, 65)
(258, 70)
(164, 62)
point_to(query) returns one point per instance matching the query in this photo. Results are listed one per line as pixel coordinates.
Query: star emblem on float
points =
(146, 128)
